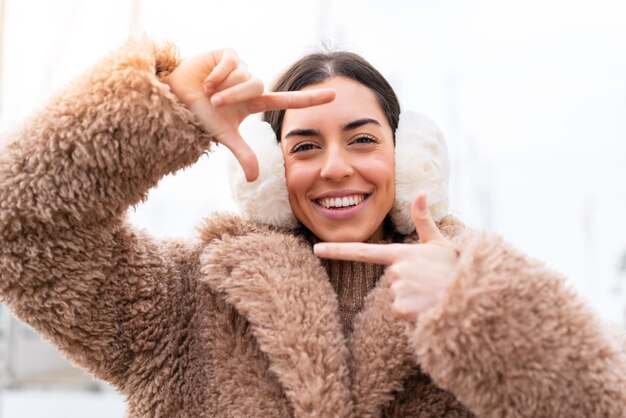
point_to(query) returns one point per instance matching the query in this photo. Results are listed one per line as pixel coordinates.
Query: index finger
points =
(358, 251)
(290, 100)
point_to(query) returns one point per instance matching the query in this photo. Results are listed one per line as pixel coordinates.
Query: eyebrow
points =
(302, 132)
(347, 127)
(360, 122)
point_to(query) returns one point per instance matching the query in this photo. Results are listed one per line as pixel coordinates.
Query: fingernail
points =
(217, 100)
(421, 203)
(208, 85)
(319, 248)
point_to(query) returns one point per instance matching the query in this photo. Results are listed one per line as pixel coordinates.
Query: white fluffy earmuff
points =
(264, 200)
(422, 165)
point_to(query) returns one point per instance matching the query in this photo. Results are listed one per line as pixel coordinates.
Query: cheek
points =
(300, 178)
(379, 169)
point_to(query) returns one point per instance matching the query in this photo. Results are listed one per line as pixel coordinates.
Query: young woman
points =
(252, 319)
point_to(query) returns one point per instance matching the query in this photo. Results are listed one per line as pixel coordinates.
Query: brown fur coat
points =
(243, 322)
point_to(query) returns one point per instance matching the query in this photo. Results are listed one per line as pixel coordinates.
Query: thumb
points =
(424, 224)
(243, 153)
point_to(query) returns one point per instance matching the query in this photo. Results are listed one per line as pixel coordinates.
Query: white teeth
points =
(341, 202)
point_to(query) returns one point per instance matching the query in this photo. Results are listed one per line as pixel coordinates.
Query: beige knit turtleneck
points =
(351, 280)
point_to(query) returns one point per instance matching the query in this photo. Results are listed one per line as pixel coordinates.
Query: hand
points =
(219, 90)
(419, 274)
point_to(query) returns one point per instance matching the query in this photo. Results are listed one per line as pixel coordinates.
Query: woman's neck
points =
(378, 235)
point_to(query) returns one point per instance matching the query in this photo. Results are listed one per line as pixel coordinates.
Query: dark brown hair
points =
(317, 67)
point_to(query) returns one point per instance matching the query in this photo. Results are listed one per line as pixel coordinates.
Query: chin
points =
(342, 236)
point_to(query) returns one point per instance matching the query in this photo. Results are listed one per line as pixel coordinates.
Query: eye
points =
(303, 146)
(365, 139)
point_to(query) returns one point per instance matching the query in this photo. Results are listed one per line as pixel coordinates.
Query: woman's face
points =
(339, 163)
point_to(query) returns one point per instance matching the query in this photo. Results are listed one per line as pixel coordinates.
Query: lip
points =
(340, 193)
(342, 213)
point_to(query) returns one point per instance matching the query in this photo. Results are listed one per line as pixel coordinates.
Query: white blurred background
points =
(530, 95)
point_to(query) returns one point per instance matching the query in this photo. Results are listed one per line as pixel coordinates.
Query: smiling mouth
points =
(338, 203)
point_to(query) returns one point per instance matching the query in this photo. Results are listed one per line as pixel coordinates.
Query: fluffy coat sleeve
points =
(510, 340)
(70, 265)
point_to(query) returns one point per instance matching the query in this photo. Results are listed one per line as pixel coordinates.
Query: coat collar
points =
(275, 282)
(382, 357)
(272, 278)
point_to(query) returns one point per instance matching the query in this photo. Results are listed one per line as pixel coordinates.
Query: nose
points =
(336, 165)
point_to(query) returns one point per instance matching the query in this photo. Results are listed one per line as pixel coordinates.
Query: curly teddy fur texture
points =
(242, 321)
